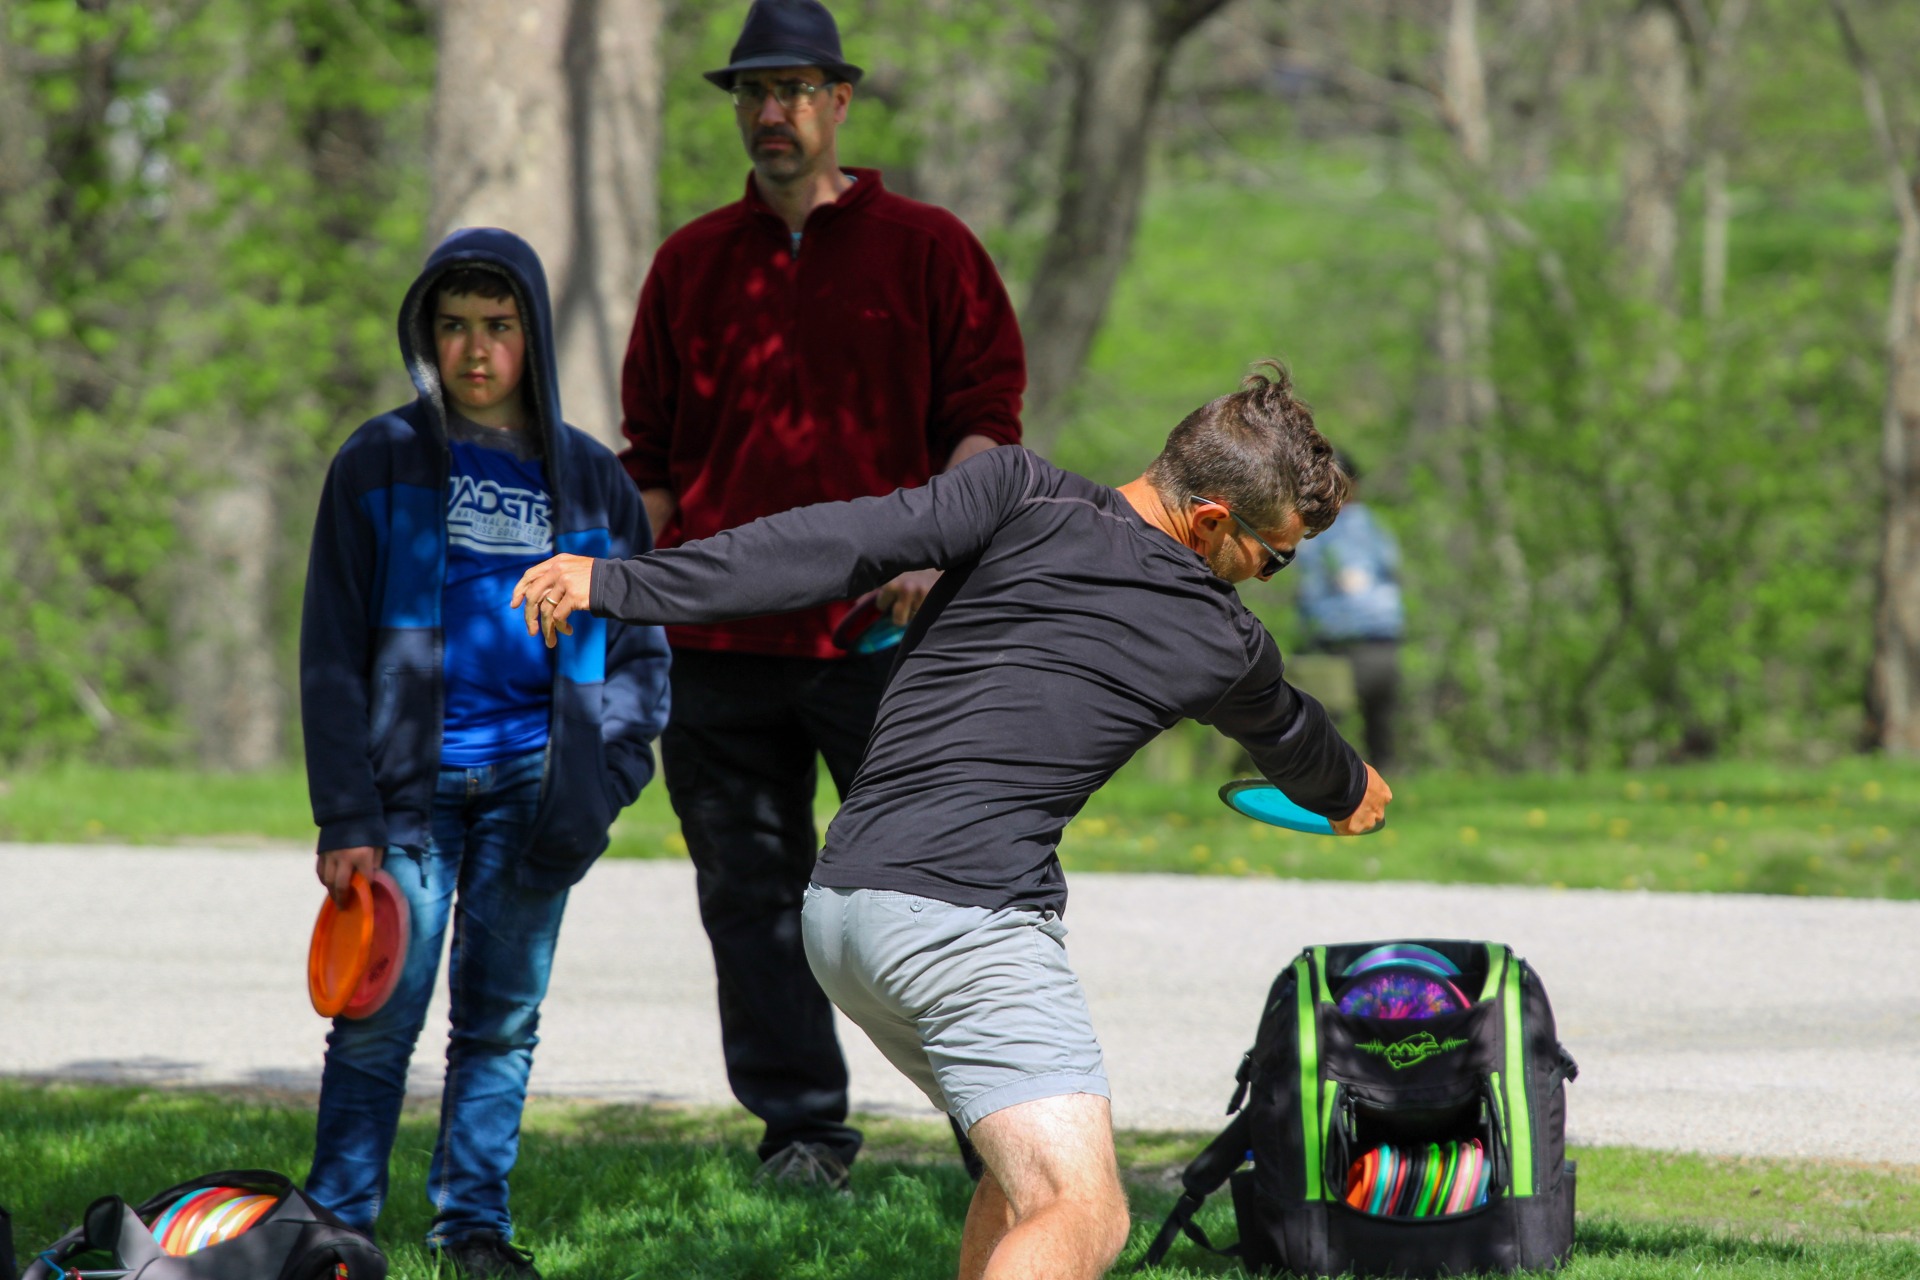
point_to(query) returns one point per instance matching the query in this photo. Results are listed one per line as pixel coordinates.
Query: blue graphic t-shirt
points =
(499, 680)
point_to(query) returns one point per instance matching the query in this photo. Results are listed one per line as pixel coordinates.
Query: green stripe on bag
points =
(1519, 1116)
(1309, 1031)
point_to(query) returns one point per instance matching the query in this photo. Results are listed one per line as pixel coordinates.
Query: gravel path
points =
(1733, 1024)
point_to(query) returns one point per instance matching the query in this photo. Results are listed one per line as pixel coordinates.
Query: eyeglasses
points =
(1276, 559)
(790, 94)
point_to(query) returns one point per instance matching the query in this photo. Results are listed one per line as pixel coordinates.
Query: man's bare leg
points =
(989, 1217)
(1055, 1209)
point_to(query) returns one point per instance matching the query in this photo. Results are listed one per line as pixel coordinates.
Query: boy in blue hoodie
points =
(478, 767)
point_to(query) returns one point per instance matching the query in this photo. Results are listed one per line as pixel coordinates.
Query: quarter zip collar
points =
(866, 186)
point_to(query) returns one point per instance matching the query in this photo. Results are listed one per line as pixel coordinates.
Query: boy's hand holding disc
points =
(337, 867)
(552, 590)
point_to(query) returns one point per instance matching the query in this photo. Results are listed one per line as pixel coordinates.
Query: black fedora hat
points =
(787, 33)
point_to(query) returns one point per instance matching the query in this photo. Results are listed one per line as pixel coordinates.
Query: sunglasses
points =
(1276, 559)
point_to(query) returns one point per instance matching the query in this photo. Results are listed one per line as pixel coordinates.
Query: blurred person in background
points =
(1349, 602)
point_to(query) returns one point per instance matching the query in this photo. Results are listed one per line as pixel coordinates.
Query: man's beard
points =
(778, 164)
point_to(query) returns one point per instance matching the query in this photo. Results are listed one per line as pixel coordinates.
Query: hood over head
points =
(492, 249)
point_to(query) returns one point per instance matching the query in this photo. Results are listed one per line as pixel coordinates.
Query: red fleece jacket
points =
(757, 380)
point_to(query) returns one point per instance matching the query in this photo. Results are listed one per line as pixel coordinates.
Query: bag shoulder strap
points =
(1204, 1176)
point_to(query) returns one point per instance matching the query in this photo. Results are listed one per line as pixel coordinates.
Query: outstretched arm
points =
(1295, 746)
(793, 560)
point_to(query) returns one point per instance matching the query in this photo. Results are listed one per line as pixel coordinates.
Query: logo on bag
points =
(1411, 1051)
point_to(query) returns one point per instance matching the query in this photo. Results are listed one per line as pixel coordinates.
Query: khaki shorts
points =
(978, 1007)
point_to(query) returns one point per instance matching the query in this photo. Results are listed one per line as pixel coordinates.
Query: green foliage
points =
(1694, 546)
(211, 228)
(1659, 546)
(645, 1192)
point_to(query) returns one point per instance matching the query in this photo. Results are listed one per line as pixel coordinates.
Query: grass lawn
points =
(1848, 828)
(628, 1193)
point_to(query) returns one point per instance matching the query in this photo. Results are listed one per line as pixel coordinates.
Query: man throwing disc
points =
(1073, 624)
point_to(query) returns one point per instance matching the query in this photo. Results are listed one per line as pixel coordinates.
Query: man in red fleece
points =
(820, 339)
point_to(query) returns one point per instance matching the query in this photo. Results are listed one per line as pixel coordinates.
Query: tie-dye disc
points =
(1400, 990)
(1405, 953)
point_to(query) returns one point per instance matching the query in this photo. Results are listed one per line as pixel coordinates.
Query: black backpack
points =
(1332, 1099)
(295, 1240)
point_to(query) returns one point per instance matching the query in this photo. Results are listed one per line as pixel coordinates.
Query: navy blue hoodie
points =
(371, 682)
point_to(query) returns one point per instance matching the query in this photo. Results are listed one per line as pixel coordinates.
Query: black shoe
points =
(804, 1164)
(482, 1255)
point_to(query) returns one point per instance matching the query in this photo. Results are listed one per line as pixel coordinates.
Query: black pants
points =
(1376, 680)
(739, 755)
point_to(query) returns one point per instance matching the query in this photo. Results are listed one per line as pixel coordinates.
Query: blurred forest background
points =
(1607, 296)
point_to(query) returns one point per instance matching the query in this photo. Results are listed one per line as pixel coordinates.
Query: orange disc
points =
(342, 945)
(387, 954)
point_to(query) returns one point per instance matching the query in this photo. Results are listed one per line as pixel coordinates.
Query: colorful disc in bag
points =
(244, 1220)
(1393, 1176)
(1443, 1185)
(206, 1217)
(1430, 1188)
(1404, 953)
(1416, 1178)
(1361, 1179)
(1400, 991)
(163, 1225)
(1467, 1180)
(387, 952)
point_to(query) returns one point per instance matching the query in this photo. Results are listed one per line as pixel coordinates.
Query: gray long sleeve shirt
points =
(1066, 633)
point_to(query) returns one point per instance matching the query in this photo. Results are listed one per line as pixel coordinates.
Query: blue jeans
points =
(503, 940)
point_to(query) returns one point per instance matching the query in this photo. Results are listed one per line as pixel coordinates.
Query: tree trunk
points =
(1466, 304)
(986, 131)
(1470, 456)
(1120, 60)
(225, 679)
(547, 122)
(223, 659)
(1717, 35)
(1653, 162)
(1715, 224)
(1896, 673)
(1894, 690)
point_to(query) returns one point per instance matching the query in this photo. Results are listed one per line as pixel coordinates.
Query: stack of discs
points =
(359, 950)
(209, 1216)
(1428, 1181)
(1401, 980)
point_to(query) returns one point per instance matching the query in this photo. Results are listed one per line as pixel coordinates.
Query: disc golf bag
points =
(296, 1239)
(1397, 1118)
